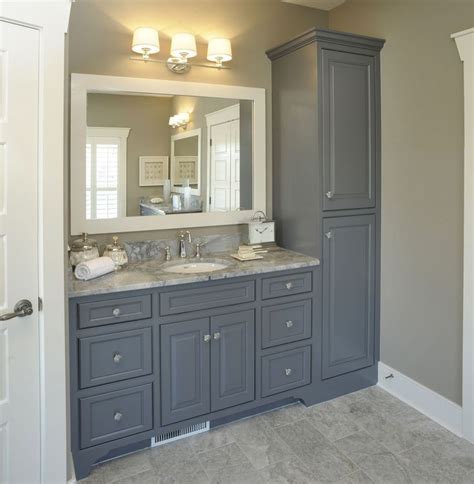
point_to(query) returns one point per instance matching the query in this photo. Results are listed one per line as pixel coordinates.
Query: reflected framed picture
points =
(153, 170)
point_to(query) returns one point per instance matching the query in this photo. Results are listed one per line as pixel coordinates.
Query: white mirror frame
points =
(82, 84)
(183, 135)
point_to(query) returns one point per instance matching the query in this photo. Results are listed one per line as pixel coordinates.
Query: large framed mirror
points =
(149, 154)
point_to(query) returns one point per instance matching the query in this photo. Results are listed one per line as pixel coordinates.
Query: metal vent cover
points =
(178, 434)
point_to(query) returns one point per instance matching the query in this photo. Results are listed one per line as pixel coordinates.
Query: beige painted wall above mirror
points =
(134, 167)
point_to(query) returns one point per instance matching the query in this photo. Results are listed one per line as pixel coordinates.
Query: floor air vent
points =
(167, 437)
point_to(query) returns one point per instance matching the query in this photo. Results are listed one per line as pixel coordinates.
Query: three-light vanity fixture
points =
(146, 41)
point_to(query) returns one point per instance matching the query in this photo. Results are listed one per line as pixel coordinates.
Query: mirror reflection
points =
(167, 154)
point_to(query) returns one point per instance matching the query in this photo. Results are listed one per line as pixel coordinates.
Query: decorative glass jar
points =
(83, 249)
(117, 253)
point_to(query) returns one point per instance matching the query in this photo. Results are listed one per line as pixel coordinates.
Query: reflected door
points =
(19, 336)
(225, 167)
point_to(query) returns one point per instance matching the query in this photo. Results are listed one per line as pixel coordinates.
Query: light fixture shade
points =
(219, 50)
(145, 41)
(183, 45)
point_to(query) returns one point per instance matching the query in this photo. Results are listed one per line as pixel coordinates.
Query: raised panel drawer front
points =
(348, 294)
(286, 370)
(285, 323)
(111, 311)
(349, 130)
(113, 357)
(114, 415)
(226, 294)
(287, 285)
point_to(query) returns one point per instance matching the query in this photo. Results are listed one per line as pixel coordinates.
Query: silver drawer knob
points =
(287, 371)
(217, 335)
(289, 324)
(329, 194)
(207, 338)
(116, 312)
(118, 416)
(328, 234)
(289, 285)
(117, 357)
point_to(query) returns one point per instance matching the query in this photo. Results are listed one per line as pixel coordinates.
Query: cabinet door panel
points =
(184, 370)
(233, 359)
(349, 130)
(348, 294)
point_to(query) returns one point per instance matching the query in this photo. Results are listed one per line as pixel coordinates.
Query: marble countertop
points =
(149, 273)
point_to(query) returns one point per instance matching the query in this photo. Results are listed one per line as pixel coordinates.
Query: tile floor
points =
(365, 437)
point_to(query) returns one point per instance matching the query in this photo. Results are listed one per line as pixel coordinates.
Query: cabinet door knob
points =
(328, 235)
(117, 357)
(207, 338)
(289, 324)
(329, 194)
(289, 285)
(288, 371)
(116, 312)
(217, 335)
(118, 416)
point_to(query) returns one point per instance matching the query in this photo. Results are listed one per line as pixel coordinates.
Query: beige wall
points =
(422, 180)
(147, 117)
(100, 35)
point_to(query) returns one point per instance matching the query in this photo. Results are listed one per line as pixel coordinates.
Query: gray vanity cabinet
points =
(348, 294)
(185, 356)
(206, 365)
(348, 129)
(232, 359)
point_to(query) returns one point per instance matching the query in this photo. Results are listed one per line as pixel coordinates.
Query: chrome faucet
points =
(182, 242)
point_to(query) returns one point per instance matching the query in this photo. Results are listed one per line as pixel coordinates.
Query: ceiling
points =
(320, 4)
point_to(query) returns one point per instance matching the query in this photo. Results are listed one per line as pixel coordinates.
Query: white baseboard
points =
(432, 404)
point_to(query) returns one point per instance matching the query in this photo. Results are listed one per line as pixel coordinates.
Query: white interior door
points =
(225, 166)
(19, 336)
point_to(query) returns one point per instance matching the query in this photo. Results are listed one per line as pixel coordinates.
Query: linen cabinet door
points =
(233, 359)
(348, 294)
(185, 352)
(349, 130)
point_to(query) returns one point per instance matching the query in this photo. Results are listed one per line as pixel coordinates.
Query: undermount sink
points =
(195, 267)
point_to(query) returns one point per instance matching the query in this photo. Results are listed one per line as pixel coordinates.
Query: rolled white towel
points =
(94, 268)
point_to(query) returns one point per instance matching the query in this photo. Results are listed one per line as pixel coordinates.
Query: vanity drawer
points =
(110, 311)
(286, 370)
(287, 285)
(113, 357)
(185, 300)
(114, 415)
(285, 323)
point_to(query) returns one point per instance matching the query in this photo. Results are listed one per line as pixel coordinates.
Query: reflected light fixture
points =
(183, 47)
(145, 41)
(219, 51)
(179, 120)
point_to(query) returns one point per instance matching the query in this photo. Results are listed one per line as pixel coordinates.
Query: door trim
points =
(52, 23)
(465, 44)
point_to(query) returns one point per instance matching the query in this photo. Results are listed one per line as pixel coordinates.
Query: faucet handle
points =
(167, 253)
(199, 246)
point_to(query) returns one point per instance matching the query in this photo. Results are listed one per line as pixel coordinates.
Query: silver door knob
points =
(289, 324)
(329, 194)
(117, 357)
(207, 338)
(118, 416)
(116, 312)
(217, 335)
(287, 371)
(289, 285)
(22, 308)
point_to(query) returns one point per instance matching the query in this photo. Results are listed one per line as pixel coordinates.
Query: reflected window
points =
(106, 154)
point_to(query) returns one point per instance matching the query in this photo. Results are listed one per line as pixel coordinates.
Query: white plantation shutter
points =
(106, 150)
